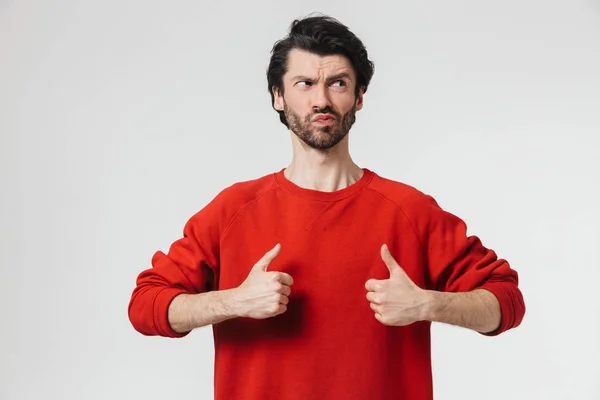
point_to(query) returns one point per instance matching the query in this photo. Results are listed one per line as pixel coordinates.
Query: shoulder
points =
(233, 198)
(420, 208)
(404, 195)
(239, 194)
(242, 192)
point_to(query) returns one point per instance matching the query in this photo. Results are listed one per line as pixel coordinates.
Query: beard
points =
(320, 137)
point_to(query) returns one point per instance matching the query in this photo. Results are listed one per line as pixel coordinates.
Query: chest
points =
(326, 247)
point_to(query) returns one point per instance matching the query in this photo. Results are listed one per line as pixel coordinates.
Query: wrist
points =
(231, 303)
(432, 304)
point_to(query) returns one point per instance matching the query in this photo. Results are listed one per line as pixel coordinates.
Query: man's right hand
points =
(264, 294)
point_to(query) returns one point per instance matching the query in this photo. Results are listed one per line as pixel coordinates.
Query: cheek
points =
(296, 106)
(345, 104)
(301, 113)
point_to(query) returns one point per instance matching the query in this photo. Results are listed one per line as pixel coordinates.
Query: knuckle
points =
(283, 277)
(275, 276)
(287, 279)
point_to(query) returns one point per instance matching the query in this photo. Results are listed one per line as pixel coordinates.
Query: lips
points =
(324, 118)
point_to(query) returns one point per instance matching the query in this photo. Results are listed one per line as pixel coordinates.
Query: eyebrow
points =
(331, 78)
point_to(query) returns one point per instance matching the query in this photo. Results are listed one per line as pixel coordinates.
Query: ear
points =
(359, 98)
(277, 99)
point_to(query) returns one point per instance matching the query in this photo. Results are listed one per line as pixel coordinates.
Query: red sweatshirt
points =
(328, 344)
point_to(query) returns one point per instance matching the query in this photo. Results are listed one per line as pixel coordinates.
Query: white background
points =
(120, 119)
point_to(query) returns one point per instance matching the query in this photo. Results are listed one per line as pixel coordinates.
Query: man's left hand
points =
(396, 301)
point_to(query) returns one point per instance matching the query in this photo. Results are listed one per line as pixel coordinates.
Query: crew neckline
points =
(312, 194)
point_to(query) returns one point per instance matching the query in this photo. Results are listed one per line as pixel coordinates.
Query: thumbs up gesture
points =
(263, 293)
(396, 301)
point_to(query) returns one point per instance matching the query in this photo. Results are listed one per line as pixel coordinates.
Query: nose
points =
(320, 97)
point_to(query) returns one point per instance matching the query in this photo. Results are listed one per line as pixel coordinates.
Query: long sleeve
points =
(190, 266)
(459, 263)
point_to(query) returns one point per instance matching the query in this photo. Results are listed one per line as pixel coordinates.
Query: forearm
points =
(190, 311)
(478, 310)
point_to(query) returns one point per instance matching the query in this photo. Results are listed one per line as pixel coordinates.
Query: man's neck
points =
(325, 177)
(323, 170)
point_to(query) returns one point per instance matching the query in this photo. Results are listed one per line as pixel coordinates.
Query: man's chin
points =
(323, 145)
(318, 145)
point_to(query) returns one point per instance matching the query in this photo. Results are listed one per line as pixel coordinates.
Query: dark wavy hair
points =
(322, 35)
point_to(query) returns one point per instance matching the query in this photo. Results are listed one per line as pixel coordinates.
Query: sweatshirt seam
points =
(154, 311)
(242, 207)
(169, 331)
(403, 213)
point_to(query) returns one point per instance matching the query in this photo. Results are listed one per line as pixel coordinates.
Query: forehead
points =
(301, 62)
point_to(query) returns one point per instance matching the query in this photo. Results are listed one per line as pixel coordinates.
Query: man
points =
(321, 280)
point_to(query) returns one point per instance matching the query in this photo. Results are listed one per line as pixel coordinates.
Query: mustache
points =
(326, 110)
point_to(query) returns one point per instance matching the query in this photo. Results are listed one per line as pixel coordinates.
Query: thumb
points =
(389, 260)
(269, 256)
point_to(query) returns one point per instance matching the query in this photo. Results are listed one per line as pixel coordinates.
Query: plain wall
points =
(121, 119)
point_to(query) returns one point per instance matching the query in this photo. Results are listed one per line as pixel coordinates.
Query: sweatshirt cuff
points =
(508, 313)
(161, 307)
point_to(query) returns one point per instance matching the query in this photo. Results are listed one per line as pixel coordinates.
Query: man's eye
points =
(338, 83)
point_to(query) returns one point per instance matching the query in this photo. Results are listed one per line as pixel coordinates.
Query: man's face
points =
(318, 100)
